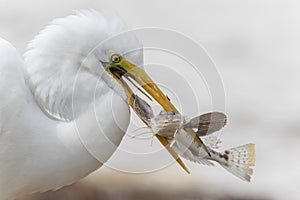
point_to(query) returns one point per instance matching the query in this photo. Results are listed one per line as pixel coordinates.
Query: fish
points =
(239, 161)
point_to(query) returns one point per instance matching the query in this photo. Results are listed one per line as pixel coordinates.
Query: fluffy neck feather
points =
(62, 62)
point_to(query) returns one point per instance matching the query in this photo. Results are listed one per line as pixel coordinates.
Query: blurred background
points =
(254, 45)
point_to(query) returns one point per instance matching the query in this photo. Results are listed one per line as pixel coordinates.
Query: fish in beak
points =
(122, 70)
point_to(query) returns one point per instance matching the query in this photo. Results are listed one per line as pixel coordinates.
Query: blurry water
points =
(255, 46)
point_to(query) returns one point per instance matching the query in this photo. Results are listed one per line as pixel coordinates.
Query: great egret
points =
(70, 85)
(45, 99)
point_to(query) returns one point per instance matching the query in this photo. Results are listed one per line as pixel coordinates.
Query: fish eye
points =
(115, 58)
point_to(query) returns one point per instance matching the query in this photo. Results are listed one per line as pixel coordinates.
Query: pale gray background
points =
(255, 45)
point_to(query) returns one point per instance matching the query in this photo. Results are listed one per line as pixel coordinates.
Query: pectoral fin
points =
(207, 123)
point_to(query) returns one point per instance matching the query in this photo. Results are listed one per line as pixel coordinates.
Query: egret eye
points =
(115, 58)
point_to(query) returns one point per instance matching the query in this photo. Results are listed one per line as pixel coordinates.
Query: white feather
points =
(62, 56)
(38, 153)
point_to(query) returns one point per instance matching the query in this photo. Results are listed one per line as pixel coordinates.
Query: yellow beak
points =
(119, 67)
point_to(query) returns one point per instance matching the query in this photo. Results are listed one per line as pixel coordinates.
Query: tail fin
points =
(240, 160)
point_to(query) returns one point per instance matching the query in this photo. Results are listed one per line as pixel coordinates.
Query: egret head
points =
(74, 57)
(62, 65)
(122, 70)
(74, 54)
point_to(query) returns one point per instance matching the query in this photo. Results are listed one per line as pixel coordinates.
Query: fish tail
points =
(239, 160)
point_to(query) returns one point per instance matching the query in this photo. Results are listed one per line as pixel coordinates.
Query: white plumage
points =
(48, 103)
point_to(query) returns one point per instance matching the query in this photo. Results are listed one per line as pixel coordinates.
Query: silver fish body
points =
(167, 124)
(237, 161)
